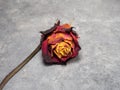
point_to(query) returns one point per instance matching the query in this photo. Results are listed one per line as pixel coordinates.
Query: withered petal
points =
(75, 38)
(75, 51)
(45, 47)
(49, 60)
(68, 30)
(55, 38)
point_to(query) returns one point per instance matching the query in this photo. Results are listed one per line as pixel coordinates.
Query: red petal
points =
(63, 59)
(55, 60)
(45, 47)
(51, 60)
(74, 38)
(77, 47)
(75, 51)
(60, 28)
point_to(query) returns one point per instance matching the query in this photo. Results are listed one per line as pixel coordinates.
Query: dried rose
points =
(59, 44)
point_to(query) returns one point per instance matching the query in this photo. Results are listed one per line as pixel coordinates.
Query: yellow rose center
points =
(62, 49)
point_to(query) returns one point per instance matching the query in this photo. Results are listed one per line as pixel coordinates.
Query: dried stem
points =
(19, 67)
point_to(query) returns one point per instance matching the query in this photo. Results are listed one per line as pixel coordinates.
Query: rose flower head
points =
(59, 44)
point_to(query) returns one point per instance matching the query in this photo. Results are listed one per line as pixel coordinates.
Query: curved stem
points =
(19, 67)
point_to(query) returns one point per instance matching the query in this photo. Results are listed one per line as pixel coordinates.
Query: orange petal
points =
(70, 42)
(54, 38)
(66, 25)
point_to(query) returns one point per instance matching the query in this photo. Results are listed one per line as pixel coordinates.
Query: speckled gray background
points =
(96, 21)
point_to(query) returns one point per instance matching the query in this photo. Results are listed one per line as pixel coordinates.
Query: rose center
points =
(62, 49)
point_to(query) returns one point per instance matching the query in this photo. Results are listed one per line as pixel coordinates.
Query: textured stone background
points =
(96, 21)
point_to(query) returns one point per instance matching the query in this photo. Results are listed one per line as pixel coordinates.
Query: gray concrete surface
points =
(97, 22)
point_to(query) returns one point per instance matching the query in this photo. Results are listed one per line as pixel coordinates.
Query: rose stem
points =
(19, 67)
